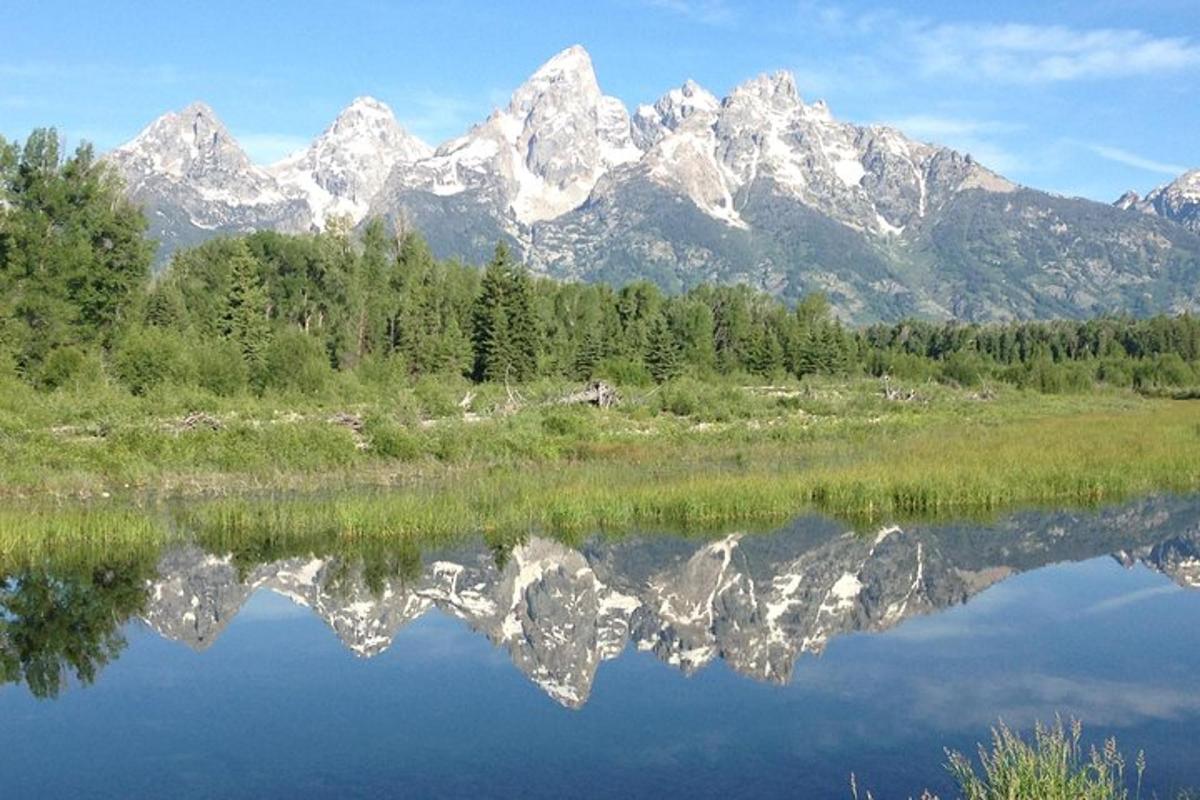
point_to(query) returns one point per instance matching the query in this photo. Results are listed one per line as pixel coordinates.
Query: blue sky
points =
(1082, 98)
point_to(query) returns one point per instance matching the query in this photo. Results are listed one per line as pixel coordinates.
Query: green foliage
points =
(506, 336)
(220, 367)
(295, 362)
(244, 320)
(150, 357)
(1051, 766)
(69, 366)
(72, 253)
(392, 441)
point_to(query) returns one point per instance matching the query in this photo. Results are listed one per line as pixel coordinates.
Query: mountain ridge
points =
(759, 187)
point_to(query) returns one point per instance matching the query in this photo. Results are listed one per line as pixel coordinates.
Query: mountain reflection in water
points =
(756, 601)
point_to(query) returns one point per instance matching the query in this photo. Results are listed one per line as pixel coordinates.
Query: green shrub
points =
(391, 441)
(965, 368)
(1053, 766)
(219, 368)
(902, 366)
(149, 357)
(295, 362)
(69, 367)
(1115, 372)
(388, 372)
(573, 422)
(439, 395)
(623, 371)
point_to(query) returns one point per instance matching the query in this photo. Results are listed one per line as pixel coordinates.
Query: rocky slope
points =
(759, 187)
(756, 602)
(1178, 201)
(346, 166)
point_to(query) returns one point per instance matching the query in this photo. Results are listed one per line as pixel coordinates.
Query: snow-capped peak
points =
(346, 166)
(778, 88)
(540, 156)
(652, 123)
(188, 142)
(1178, 201)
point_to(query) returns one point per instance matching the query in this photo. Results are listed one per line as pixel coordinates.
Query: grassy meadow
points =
(441, 460)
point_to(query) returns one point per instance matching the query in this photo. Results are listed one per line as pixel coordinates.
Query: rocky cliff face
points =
(756, 602)
(344, 169)
(195, 181)
(1178, 201)
(760, 187)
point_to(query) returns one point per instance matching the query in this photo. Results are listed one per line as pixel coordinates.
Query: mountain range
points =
(757, 602)
(759, 187)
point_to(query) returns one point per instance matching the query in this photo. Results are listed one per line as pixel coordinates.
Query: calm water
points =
(759, 665)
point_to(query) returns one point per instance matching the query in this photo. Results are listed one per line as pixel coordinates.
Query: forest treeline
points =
(269, 311)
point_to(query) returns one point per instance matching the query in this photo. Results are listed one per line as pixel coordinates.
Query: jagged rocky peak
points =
(1129, 200)
(652, 123)
(570, 133)
(777, 88)
(347, 165)
(537, 158)
(1178, 201)
(194, 180)
(191, 143)
(569, 72)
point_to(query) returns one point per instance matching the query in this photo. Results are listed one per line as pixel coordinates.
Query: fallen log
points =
(596, 393)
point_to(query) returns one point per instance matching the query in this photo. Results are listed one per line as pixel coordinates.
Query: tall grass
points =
(1051, 766)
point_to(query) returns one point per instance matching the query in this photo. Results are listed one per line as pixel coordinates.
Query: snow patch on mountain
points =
(346, 166)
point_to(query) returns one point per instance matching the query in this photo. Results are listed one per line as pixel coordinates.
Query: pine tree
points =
(662, 355)
(588, 355)
(490, 336)
(245, 318)
(524, 327)
(765, 355)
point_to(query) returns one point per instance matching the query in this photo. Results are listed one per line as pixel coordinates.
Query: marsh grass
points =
(834, 448)
(1052, 765)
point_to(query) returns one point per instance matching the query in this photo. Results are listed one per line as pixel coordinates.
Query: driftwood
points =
(197, 420)
(596, 393)
(351, 421)
(896, 395)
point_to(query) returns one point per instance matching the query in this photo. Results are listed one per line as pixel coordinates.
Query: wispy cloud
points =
(1019, 53)
(708, 12)
(979, 137)
(150, 75)
(1007, 52)
(932, 126)
(436, 116)
(1129, 159)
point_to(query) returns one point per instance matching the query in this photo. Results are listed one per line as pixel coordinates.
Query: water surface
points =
(737, 665)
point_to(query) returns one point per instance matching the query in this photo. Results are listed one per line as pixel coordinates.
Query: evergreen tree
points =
(490, 337)
(73, 258)
(662, 356)
(245, 318)
(588, 355)
(524, 327)
(765, 355)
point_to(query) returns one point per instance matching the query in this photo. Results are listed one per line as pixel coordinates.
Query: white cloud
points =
(974, 136)
(709, 12)
(436, 117)
(932, 126)
(1006, 52)
(1129, 159)
(1017, 53)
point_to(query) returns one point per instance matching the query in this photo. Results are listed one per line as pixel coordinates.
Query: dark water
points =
(768, 665)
